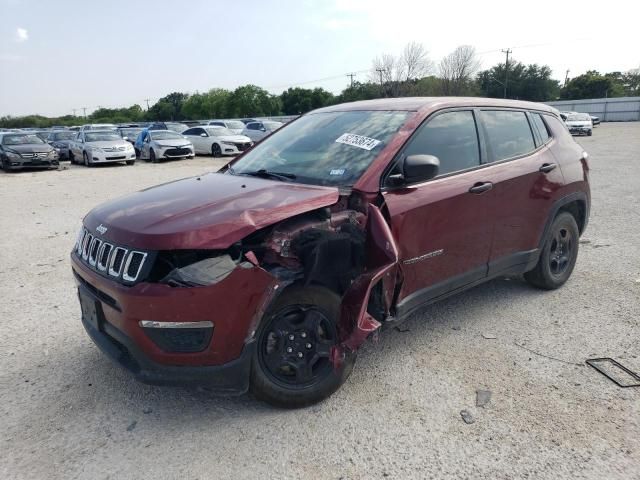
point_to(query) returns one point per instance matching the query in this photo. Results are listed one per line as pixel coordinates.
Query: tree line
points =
(412, 73)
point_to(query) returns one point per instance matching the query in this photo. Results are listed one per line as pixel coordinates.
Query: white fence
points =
(621, 109)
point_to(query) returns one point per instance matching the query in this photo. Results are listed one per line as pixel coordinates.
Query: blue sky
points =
(60, 55)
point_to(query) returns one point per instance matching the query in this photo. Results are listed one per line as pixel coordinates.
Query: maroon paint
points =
(233, 305)
(209, 212)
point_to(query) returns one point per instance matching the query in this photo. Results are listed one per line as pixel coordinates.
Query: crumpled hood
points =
(208, 212)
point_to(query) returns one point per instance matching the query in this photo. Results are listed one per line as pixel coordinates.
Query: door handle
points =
(547, 167)
(481, 187)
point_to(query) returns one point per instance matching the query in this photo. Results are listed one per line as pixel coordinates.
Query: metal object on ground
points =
(609, 368)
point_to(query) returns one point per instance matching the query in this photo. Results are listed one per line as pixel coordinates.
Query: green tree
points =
(526, 82)
(208, 105)
(168, 107)
(360, 91)
(251, 100)
(592, 85)
(300, 100)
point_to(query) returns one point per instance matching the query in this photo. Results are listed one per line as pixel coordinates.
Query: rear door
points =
(441, 226)
(525, 177)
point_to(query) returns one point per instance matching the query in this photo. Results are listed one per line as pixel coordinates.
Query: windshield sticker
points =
(359, 141)
(337, 171)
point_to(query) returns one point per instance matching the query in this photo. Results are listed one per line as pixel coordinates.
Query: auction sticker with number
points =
(359, 141)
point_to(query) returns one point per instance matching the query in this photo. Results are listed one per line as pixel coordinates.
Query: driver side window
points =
(450, 136)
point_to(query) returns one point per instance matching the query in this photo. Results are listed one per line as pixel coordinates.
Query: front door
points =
(442, 226)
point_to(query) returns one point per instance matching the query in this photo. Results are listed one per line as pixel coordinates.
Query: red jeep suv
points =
(269, 274)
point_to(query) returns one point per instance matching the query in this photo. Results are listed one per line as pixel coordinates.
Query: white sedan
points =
(93, 146)
(217, 141)
(159, 144)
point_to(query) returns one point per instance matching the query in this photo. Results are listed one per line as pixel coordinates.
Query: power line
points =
(351, 75)
(333, 77)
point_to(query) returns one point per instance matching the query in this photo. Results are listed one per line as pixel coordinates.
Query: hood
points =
(30, 148)
(208, 212)
(578, 123)
(109, 144)
(234, 138)
(174, 142)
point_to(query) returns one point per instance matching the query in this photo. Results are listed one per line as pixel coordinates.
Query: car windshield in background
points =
(21, 139)
(63, 135)
(332, 148)
(579, 117)
(101, 137)
(219, 132)
(131, 132)
(165, 135)
(272, 125)
(237, 124)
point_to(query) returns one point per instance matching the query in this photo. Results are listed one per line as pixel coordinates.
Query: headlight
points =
(13, 156)
(52, 154)
(229, 143)
(201, 273)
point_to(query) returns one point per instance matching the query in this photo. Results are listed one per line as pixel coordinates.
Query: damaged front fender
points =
(356, 324)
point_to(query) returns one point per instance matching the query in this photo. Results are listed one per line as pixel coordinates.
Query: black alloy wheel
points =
(216, 151)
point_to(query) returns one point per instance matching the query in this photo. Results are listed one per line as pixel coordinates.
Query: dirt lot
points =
(67, 412)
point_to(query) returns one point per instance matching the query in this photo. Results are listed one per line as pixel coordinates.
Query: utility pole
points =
(74, 111)
(566, 78)
(84, 109)
(381, 71)
(506, 70)
(147, 100)
(351, 75)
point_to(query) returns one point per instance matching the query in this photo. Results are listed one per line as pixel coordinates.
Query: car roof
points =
(413, 104)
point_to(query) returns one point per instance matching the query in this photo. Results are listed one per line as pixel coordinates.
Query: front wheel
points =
(558, 256)
(292, 364)
(216, 151)
(152, 156)
(85, 157)
(130, 162)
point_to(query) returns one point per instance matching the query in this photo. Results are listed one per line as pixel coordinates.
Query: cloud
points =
(22, 35)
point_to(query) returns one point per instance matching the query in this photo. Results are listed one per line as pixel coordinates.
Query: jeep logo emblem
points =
(101, 229)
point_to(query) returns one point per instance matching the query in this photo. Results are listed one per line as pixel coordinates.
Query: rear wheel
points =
(558, 256)
(292, 364)
(216, 151)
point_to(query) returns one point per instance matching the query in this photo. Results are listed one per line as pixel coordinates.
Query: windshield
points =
(63, 135)
(177, 127)
(235, 124)
(580, 117)
(165, 135)
(271, 126)
(219, 132)
(21, 139)
(101, 137)
(333, 148)
(131, 132)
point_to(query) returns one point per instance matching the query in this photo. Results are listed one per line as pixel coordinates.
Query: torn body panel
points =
(356, 324)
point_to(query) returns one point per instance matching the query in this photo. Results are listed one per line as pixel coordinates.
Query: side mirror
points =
(263, 129)
(125, 138)
(415, 168)
(203, 135)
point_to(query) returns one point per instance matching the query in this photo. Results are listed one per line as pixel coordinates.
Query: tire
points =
(72, 159)
(152, 156)
(300, 323)
(137, 153)
(558, 256)
(216, 151)
(130, 162)
(5, 165)
(589, 133)
(85, 157)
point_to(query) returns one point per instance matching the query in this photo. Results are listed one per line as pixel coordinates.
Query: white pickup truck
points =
(100, 146)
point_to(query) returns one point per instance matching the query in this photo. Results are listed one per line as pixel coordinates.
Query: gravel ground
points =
(67, 412)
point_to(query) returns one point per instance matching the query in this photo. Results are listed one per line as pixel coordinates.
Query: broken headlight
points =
(204, 272)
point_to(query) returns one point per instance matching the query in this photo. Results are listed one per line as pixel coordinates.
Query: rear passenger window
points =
(541, 127)
(452, 137)
(509, 133)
